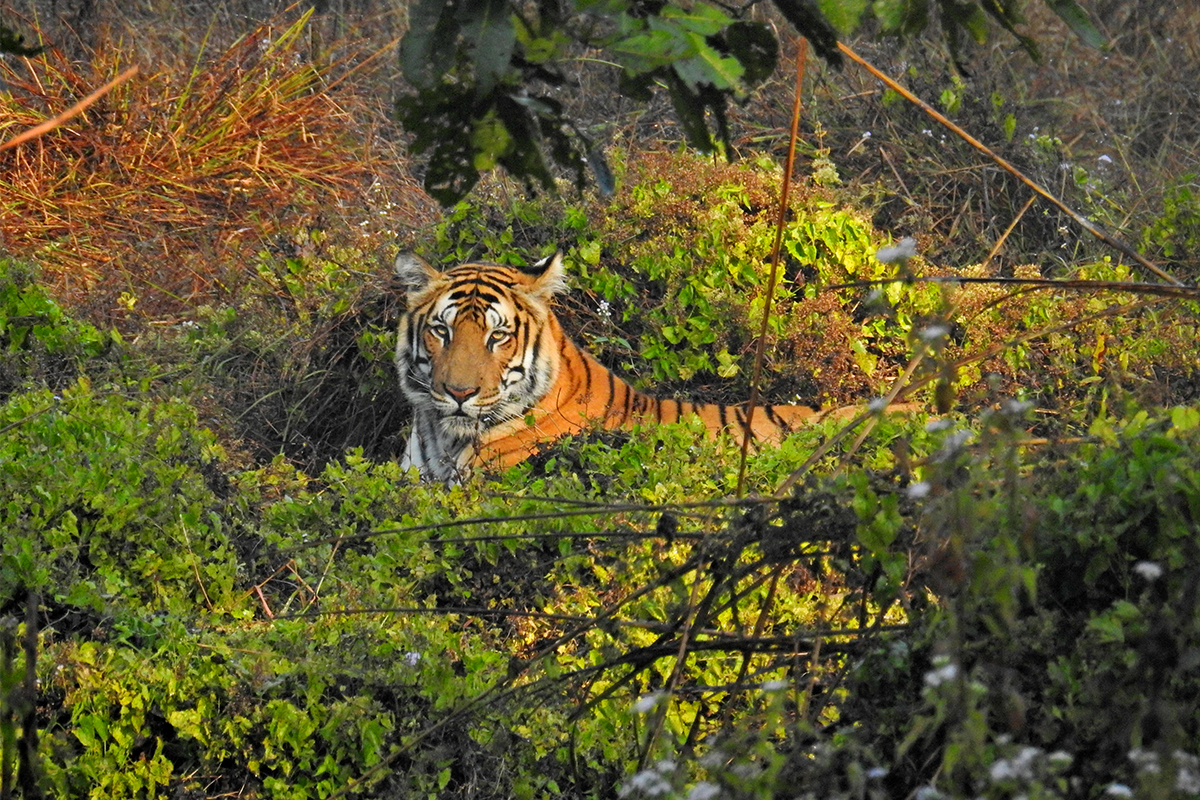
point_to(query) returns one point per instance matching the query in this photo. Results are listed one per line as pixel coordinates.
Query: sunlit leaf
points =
(702, 18)
(844, 14)
(709, 67)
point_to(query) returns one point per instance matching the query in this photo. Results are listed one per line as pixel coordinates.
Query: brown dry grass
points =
(159, 190)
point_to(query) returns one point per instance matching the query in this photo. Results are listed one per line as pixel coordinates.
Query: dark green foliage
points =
(485, 72)
(14, 43)
(39, 343)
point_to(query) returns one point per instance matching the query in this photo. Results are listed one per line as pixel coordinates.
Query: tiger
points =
(491, 376)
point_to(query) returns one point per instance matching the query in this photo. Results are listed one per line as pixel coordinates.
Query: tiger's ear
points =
(414, 272)
(551, 280)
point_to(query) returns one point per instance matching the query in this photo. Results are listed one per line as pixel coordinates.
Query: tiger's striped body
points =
(491, 375)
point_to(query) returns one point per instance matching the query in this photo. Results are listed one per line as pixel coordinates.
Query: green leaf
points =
(490, 140)
(901, 17)
(427, 50)
(1078, 21)
(709, 67)
(844, 14)
(756, 49)
(650, 49)
(702, 18)
(488, 25)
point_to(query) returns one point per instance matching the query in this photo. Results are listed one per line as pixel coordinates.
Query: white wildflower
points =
(943, 674)
(1105, 159)
(1148, 570)
(1060, 758)
(876, 773)
(932, 333)
(1001, 770)
(1146, 761)
(1024, 761)
(647, 783)
(919, 490)
(1015, 407)
(647, 702)
(411, 658)
(903, 249)
(1187, 781)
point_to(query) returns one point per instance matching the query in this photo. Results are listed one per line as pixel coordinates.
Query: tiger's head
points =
(477, 346)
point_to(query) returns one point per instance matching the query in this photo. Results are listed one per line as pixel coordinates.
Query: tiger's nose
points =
(461, 394)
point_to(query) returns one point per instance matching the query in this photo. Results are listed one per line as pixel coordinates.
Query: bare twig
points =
(760, 352)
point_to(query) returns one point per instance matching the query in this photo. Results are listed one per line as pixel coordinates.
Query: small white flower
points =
(647, 702)
(1060, 758)
(1119, 790)
(919, 490)
(1023, 763)
(942, 674)
(1150, 572)
(926, 131)
(933, 332)
(605, 309)
(1104, 159)
(774, 686)
(866, 134)
(704, 791)
(1015, 407)
(411, 658)
(1001, 771)
(648, 783)
(876, 773)
(903, 249)
(1187, 781)
(952, 444)
(1145, 760)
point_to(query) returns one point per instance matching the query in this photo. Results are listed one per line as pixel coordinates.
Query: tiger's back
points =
(491, 375)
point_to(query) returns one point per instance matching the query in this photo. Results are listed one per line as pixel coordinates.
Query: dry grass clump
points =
(151, 193)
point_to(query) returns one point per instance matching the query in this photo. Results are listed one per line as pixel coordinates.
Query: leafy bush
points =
(39, 343)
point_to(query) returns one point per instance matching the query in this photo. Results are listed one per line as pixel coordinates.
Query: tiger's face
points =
(473, 349)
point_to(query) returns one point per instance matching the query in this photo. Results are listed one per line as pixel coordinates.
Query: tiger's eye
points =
(439, 330)
(497, 338)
